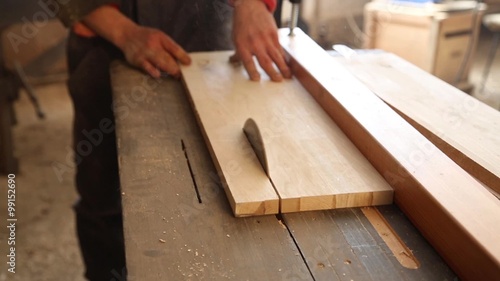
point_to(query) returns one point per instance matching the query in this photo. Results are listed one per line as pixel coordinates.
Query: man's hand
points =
(152, 50)
(255, 33)
(146, 48)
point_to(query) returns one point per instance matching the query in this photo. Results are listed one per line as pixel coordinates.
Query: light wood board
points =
(467, 130)
(312, 164)
(449, 207)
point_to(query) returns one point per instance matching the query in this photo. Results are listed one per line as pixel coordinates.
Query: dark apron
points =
(197, 25)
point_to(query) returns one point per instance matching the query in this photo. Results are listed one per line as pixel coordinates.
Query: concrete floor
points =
(46, 242)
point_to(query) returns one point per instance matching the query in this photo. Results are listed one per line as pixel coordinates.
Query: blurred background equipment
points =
(32, 53)
(439, 38)
(492, 22)
(294, 18)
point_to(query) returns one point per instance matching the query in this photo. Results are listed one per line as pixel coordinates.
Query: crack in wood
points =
(401, 252)
(184, 149)
(282, 221)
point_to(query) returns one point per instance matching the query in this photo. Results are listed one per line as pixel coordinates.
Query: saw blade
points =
(254, 136)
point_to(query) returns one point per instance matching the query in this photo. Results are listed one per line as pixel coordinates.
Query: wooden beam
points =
(458, 217)
(467, 130)
(313, 165)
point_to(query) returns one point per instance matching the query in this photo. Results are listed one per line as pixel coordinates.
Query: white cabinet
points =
(439, 42)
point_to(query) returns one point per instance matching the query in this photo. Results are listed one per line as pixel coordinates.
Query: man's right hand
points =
(152, 50)
(147, 48)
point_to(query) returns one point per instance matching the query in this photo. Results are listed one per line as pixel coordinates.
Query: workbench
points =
(178, 224)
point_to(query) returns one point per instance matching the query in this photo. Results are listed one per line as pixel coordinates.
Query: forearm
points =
(110, 24)
(71, 12)
(143, 47)
(270, 4)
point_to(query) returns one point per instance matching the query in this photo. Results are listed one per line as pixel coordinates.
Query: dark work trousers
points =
(98, 211)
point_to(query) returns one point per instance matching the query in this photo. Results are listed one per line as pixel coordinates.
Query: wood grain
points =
(467, 130)
(451, 209)
(246, 184)
(312, 164)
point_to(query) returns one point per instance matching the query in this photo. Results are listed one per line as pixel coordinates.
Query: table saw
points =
(178, 224)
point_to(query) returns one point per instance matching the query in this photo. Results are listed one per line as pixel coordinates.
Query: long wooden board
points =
(467, 130)
(312, 164)
(458, 217)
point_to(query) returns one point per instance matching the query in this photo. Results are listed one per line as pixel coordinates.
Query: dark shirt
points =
(196, 25)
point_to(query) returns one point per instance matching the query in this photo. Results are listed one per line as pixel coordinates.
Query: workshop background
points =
(47, 244)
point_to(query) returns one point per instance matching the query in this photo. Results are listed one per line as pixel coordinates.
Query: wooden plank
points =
(169, 233)
(313, 165)
(467, 130)
(449, 207)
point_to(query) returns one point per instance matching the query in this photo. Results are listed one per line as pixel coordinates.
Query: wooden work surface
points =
(179, 226)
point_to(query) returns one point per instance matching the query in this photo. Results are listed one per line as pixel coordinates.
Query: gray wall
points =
(333, 21)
